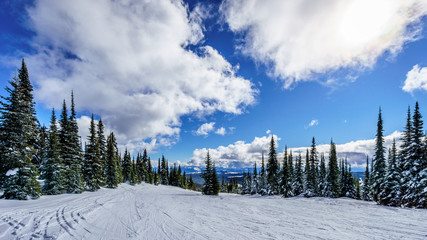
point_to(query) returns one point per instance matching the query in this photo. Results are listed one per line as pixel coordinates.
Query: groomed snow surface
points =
(162, 212)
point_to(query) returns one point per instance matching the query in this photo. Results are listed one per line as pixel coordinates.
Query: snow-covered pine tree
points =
(74, 178)
(272, 170)
(379, 170)
(111, 160)
(312, 173)
(140, 169)
(41, 148)
(53, 169)
(291, 169)
(146, 166)
(307, 171)
(215, 182)
(350, 182)
(298, 184)
(390, 194)
(332, 188)
(262, 177)
(93, 167)
(405, 158)
(366, 187)
(164, 173)
(208, 176)
(286, 184)
(101, 144)
(416, 195)
(322, 176)
(245, 186)
(18, 138)
(255, 181)
(126, 167)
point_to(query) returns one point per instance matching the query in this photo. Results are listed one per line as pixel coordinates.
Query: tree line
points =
(399, 180)
(31, 154)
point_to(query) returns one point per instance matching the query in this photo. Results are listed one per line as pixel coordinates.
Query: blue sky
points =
(156, 72)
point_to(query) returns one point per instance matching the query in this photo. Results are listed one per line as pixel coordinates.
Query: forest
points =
(31, 154)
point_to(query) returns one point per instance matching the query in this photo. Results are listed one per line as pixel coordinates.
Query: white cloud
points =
(299, 39)
(236, 155)
(416, 79)
(205, 129)
(268, 131)
(221, 131)
(313, 122)
(244, 155)
(128, 62)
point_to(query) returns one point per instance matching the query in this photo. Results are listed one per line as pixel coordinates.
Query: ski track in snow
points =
(163, 212)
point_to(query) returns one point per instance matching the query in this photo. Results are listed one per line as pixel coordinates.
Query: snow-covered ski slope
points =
(161, 212)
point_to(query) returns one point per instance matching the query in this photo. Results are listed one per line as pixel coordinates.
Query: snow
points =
(12, 172)
(163, 212)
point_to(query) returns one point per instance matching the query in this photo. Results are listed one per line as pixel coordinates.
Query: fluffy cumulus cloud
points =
(221, 131)
(243, 155)
(301, 38)
(130, 63)
(416, 79)
(237, 155)
(205, 129)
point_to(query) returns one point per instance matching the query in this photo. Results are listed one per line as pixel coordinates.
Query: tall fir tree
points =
(255, 181)
(298, 185)
(312, 175)
(390, 194)
(164, 173)
(272, 169)
(111, 162)
(93, 165)
(263, 177)
(53, 168)
(366, 188)
(286, 184)
(207, 175)
(127, 167)
(74, 178)
(379, 170)
(332, 188)
(18, 139)
(322, 176)
(101, 144)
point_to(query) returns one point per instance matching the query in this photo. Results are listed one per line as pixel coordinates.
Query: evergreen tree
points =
(255, 181)
(263, 177)
(53, 168)
(146, 166)
(42, 148)
(111, 162)
(390, 194)
(307, 171)
(332, 188)
(140, 169)
(207, 174)
(312, 175)
(416, 194)
(272, 170)
(298, 185)
(93, 167)
(366, 188)
(101, 143)
(286, 184)
(164, 173)
(18, 139)
(322, 176)
(127, 167)
(215, 182)
(74, 178)
(379, 170)
(191, 184)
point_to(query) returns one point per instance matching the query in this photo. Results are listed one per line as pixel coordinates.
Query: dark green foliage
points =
(93, 165)
(272, 170)
(262, 177)
(211, 185)
(53, 169)
(18, 139)
(164, 172)
(322, 176)
(366, 188)
(101, 143)
(111, 162)
(286, 181)
(127, 167)
(255, 181)
(298, 184)
(390, 194)
(379, 170)
(332, 188)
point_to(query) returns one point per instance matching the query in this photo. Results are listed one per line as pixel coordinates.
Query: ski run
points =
(163, 212)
